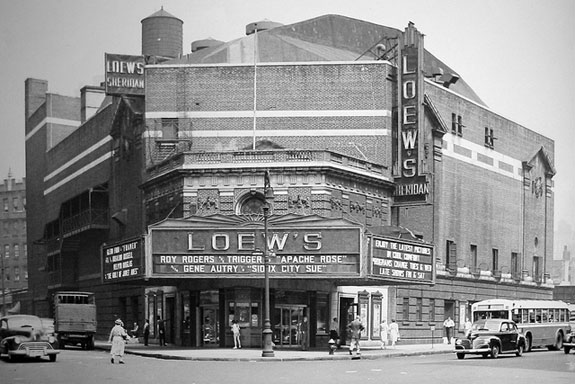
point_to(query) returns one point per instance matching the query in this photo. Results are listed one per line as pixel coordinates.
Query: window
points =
(5, 205)
(419, 309)
(450, 254)
(457, 124)
(431, 310)
(25, 272)
(489, 138)
(473, 254)
(514, 264)
(253, 205)
(16, 274)
(536, 268)
(16, 251)
(6, 250)
(15, 204)
(405, 309)
(25, 250)
(170, 128)
(495, 259)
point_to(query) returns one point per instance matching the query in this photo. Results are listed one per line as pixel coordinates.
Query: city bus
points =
(545, 323)
(75, 318)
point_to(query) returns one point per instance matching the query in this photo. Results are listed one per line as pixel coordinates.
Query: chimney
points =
(91, 97)
(34, 95)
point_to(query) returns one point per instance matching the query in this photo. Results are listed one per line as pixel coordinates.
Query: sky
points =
(518, 56)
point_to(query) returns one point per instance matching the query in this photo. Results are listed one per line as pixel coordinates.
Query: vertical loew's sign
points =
(411, 182)
(124, 74)
(122, 261)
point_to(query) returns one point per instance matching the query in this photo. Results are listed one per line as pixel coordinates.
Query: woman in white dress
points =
(118, 336)
(383, 332)
(393, 332)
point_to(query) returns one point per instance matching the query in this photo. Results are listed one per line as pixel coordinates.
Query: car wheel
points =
(495, 351)
(528, 343)
(559, 341)
(53, 358)
(519, 350)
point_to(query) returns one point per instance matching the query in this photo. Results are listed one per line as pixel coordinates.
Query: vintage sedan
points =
(569, 342)
(490, 338)
(25, 336)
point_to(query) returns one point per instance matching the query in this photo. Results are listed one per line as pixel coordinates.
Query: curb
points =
(165, 355)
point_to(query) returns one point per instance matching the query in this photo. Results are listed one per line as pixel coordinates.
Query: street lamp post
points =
(3, 292)
(267, 350)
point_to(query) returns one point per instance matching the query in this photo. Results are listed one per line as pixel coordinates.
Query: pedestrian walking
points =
(393, 332)
(161, 332)
(383, 333)
(118, 337)
(236, 334)
(448, 324)
(355, 328)
(303, 334)
(146, 332)
(334, 331)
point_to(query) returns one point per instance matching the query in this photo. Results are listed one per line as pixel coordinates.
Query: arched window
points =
(252, 205)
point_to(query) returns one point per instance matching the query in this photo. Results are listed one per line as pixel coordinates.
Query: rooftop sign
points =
(124, 74)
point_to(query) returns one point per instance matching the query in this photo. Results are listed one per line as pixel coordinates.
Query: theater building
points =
(355, 167)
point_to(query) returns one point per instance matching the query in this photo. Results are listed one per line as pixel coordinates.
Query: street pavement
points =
(371, 352)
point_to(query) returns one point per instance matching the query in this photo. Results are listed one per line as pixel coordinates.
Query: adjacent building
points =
(13, 246)
(363, 173)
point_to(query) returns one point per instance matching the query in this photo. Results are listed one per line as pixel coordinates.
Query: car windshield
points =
(487, 325)
(25, 322)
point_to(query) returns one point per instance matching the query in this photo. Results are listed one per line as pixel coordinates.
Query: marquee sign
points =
(301, 252)
(396, 259)
(124, 75)
(122, 261)
(411, 183)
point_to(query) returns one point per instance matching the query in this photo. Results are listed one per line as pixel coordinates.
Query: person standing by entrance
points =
(236, 334)
(355, 328)
(383, 332)
(448, 324)
(146, 332)
(161, 332)
(303, 334)
(334, 331)
(467, 327)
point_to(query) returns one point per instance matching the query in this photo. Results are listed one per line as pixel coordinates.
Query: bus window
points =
(516, 316)
(544, 315)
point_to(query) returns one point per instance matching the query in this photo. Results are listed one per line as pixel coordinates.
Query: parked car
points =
(569, 341)
(491, 337)
(25, 336)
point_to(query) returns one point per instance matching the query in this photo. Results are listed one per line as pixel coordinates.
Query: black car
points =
(490, 338)
(25, 336)
(569, 342)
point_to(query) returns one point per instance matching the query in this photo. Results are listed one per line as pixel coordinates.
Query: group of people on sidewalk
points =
(388, 333)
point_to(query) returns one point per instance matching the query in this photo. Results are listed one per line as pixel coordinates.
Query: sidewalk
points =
(171, 352)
